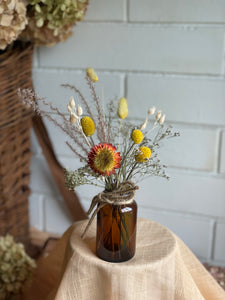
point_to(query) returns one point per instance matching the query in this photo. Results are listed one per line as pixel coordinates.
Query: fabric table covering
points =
(162, 268)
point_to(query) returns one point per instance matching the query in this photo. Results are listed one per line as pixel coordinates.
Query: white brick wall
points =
(177, 11)
(167, 53)
(128, 47)
(222, 158)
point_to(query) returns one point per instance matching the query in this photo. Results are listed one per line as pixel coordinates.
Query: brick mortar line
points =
(161, 25)
(122, 86)
(181, 213)
(212, 238)
(125, 84)
(188, 171)
(159, 74)
(220, 220)
(126, 10)
(219, 151)
(191, 125)
(180, 170)
(223, 58)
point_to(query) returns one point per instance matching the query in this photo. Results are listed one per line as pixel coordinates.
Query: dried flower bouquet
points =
(114, 151)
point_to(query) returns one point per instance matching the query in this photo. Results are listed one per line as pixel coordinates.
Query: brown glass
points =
(116, 232)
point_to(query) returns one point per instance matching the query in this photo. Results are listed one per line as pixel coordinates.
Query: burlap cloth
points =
(163, 268)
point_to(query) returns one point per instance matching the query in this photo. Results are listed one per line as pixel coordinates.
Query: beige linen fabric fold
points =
(163, 268)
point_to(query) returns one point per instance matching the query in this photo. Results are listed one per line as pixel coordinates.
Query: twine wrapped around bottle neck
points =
(120, 196)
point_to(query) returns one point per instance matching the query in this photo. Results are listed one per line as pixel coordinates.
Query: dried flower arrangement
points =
(15, 268)
(43, 22)
(113, 151)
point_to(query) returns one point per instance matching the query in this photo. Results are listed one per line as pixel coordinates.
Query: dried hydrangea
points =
(50, 21)
(12, 21)
(15, 267)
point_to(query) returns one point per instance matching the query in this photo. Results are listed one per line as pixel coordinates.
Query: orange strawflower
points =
(103, 159)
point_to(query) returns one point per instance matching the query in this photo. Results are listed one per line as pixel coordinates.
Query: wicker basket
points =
(15, 154)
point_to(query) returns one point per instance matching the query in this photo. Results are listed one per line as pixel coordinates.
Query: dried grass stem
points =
(102, 125)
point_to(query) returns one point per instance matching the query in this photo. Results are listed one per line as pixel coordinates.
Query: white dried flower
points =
(158, 115)
(69, 108)
(151, 111)
(73, 118)
(162, 119)
(72, 102)
(143, 125)
(79, 111)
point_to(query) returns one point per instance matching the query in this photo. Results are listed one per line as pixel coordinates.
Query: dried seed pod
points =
(143, 154)
(143, 125)
(122, 108)
(137, 136)
(69, 108)
(151, 111)
(79, 111)
(88, 126)
(72, 102)
(162, 119)
(158, 115)
(91, 74)
(73, 118)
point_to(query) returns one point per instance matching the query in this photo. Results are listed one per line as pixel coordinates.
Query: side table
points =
(163, 268)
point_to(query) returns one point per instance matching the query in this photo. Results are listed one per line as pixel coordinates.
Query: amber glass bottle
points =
(116, 232)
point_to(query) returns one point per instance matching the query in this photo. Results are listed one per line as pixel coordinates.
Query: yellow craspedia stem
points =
(137, 136)
(88, 126)
(122, 108)
(144, 153)
(91, 74)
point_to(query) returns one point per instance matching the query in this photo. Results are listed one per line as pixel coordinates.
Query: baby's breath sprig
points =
(81, 176)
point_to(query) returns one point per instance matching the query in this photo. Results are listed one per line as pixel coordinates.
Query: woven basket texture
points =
(15, 154)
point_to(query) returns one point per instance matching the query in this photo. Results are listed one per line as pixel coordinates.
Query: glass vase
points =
(116, 232)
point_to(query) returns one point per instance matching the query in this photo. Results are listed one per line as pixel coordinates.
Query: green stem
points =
(80, 127)
(92, 141)
(103, 103)
(131, 171)
(153, 127)
(119, 133)
(123, 165)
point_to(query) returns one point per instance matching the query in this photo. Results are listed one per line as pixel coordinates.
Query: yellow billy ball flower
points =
(91, 74)
(143, 154)
(137, 136)
(122, 109)
(88, 126)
